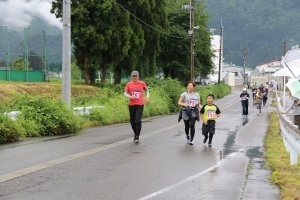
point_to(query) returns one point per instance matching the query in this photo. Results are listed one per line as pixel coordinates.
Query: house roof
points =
(255, 72)
(270, 69)
(265, 63)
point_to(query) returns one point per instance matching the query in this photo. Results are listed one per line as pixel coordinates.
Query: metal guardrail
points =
(290, 134)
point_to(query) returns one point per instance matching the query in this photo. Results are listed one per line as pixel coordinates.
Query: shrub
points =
(218, 90)
(44, 116)
(98, 97)
(153, 82)
(10, 131)
(31, 128)
(115, 111)
(159, 103)
(173, 89)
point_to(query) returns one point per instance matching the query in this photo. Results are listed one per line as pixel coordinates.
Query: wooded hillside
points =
(260, 26)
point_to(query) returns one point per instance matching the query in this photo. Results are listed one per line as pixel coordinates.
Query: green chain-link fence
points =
(22, 54)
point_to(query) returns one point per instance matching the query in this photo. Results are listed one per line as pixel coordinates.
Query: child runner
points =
(209, 113)
(190, 101)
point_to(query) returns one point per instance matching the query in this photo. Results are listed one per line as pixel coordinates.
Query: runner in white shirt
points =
(190, 101)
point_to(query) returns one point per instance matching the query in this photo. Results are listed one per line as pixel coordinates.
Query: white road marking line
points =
(166, 189)
(38, 167)
(229, 105)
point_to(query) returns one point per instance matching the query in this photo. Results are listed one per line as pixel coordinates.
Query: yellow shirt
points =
(210, 112)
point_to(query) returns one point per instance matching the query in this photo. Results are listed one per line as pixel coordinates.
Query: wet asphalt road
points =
(103, 163)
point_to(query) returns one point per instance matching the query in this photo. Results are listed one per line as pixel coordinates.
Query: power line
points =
(173, 36)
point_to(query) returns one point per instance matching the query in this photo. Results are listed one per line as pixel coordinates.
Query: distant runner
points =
(258, 101)
(254, 89)
(265, 96)
(245, 102)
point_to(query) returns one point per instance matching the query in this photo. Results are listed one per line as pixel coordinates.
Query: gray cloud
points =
(20, 13)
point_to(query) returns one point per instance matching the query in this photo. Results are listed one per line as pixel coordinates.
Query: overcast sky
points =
(20, 13)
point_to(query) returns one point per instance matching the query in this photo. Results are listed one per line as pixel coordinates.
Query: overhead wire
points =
(173, 37)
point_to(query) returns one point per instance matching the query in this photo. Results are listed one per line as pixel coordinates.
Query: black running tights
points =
(136, 113)
(189, 127)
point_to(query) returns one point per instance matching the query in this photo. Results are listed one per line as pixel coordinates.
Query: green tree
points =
(175, 48)
(154, 13)
(2, 63)
(35, 61)
(120, 34)
(100, 33)
(148, 20)
(203, 52)
(75, 72)
(175, 56)
(55, 66)
(19, 64)
(261, 27)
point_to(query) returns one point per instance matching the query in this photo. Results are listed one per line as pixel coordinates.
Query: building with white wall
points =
(238, 72)
(216, 48)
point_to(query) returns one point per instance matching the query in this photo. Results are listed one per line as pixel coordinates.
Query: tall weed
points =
(44, 116)
(10, 131)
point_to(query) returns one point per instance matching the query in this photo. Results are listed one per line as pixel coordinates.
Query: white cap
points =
(244, 89)
(134, 73)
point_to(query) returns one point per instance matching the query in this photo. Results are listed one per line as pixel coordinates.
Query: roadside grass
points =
(286, 176)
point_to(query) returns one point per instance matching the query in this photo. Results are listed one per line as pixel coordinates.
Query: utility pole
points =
(191, 7)
(220, 53)
(192, 24)
(66, 53)
(284, 48)
(244, 64)
(284, 78)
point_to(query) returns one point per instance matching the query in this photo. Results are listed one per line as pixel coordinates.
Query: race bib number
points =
(244, 98)
(137, 95)
(192, 103)
(210, 114)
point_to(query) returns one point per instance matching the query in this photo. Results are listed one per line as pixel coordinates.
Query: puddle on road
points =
(229, 144)
(255, 153)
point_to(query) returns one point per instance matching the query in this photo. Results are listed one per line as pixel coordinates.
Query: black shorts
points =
(209, 127)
